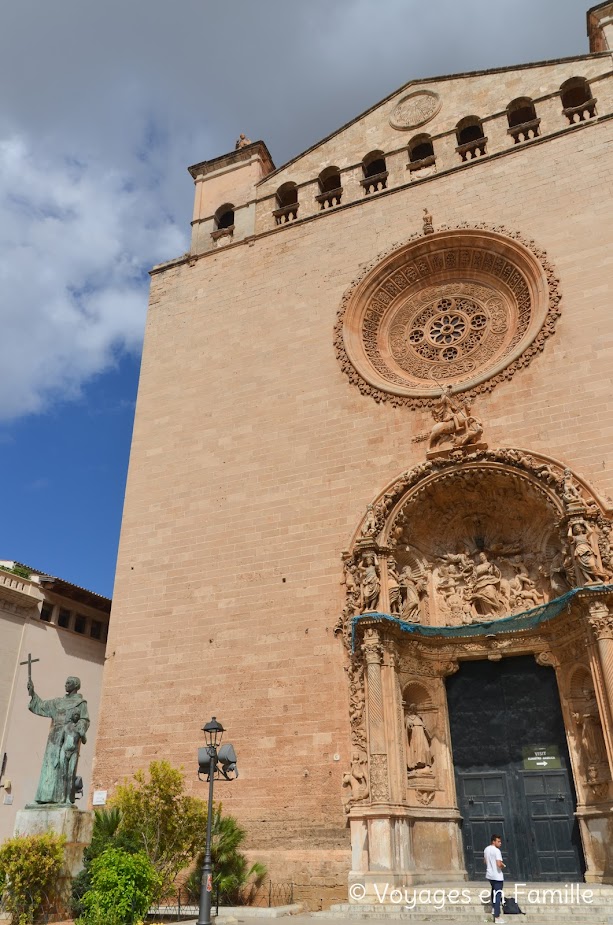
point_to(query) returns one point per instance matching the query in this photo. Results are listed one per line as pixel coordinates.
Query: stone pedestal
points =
(75, 824)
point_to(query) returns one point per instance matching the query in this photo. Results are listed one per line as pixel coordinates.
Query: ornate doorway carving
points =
(474, 554)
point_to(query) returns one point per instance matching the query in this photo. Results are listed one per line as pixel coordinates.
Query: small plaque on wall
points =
(99, 798)
(8, 799)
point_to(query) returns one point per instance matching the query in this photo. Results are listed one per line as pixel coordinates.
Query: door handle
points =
(560, 797)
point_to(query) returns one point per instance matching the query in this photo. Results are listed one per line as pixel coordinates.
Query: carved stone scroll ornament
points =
(357, 704)
(379, 779)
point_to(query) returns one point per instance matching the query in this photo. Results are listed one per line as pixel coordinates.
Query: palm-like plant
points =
(235, 880)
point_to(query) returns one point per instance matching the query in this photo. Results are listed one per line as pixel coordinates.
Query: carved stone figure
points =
(242, 142)
(585, 554)
(558, 570)
(69, 724)
(570, 492)
(428, 226)
(352, 591)
(355, 782)
(591, 736)
(523, 592)
(370, 583)
(369, 527)
(410, 591)
(393, 587)
(485, 594)
(419, 753)
(455, 425)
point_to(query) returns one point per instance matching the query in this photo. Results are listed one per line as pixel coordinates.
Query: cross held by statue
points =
(30, 661)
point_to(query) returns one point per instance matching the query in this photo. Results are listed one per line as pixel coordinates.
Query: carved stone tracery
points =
(466, 306)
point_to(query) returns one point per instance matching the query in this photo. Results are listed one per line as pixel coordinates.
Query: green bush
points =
(106, 834)
(30, 866)
(161, 819)
(122, 888)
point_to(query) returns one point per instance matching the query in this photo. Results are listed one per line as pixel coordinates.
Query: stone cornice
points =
(256, 150)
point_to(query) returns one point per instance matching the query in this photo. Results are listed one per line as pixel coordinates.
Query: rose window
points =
(444, 331)
(459, 307)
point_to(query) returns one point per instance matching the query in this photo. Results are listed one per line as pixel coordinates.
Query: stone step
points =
(466, 903)
(601, 915)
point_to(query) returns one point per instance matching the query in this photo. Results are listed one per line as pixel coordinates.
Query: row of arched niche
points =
(575, 93)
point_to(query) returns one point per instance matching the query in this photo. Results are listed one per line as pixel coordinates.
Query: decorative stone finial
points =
(428, 226)
(242, 142)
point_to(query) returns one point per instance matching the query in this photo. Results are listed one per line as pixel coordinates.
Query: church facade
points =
(368, 513)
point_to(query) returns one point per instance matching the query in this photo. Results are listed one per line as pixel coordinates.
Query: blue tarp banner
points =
(528, 619)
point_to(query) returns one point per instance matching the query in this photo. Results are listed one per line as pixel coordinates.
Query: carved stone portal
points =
(468, 537)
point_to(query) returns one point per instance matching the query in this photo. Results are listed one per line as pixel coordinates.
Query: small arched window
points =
(421, 152)
(523, 122)
(471, 138)
(578, 104)
(287, 204)
(375, 172)
(224, 222)
(330, 189)
(224, 217)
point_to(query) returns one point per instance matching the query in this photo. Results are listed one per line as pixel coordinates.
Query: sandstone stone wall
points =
(253, 461)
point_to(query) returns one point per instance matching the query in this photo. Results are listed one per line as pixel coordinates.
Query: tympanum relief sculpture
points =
(473, 535)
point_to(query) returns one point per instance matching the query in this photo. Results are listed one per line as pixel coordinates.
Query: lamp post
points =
(213, 732)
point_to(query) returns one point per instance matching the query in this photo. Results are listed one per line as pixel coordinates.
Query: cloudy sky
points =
(104, 105)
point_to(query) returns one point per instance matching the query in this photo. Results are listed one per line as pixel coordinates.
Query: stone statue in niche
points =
(369, 581)
(369, 527)
(411, 592)
(419, 740)
(393, 587)
(591, 736)
(586, 555)
(455, 427)
(355, 782)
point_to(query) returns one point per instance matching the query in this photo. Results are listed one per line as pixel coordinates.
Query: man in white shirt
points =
(494, 867)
